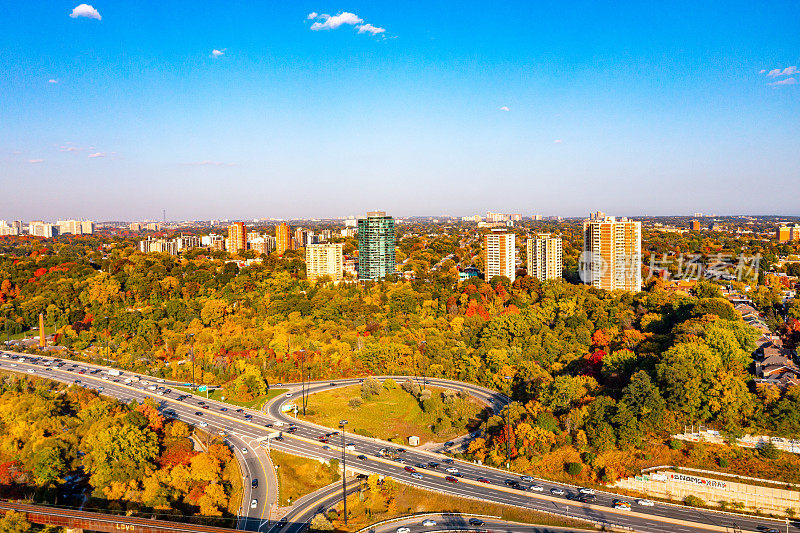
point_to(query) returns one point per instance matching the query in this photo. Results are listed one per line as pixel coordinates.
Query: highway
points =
(254, 426)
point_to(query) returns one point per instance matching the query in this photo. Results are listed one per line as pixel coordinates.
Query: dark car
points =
(421, 465)
(362, 457)
(451, 479)
(476, 522)
(447, 461)
(223, 409)
(254, 484)
(587, 498)
(198, 413)
(238, 410)
(279, 438)
(433, 464)
(483, 480)
(448, 444)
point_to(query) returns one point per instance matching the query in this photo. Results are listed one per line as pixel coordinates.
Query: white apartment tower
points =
(324, 260)
(612, 254)
(545, 259)
(500, 254)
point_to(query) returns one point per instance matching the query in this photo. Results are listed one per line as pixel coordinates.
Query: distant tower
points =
(164, 215)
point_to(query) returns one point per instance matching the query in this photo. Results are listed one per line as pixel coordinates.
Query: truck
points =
(113, 372)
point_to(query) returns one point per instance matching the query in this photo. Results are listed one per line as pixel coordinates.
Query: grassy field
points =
(393, 415)
(255, 403)
(362, 511)
(298, 476)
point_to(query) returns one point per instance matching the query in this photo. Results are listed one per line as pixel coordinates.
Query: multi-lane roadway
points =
(412, 466)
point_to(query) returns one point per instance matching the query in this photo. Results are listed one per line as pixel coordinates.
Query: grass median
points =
(298, 476)
(255, 403)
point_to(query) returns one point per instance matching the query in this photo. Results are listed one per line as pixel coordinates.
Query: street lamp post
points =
(342, 423)
(303, 379)
(108, 332)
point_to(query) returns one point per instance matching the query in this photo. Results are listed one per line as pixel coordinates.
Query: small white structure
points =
(413, 440)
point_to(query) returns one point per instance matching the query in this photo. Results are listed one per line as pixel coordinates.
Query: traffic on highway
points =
(248, 430)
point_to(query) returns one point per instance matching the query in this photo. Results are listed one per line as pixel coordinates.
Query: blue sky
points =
(454, 108)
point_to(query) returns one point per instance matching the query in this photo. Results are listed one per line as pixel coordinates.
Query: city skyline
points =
(117, 111)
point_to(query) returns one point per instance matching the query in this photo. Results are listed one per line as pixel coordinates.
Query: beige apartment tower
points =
(324, 260)
(612, 254)
(545, 259)
(500, 252)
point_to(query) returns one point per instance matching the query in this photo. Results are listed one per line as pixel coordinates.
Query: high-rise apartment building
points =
(545, 257)
(695, 225)
(500, 254)
(324, 260)
(612, 254)
(786, 233)
(263, 244)
(376, 246)
(283, 238)
(237, 237)
(37, 228)
(135, 226)
(8, 229)
(75, 227)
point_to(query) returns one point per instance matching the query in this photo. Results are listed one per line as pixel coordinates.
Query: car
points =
(526, 479)
(198, 413)
(267, 425)
(508, 482)
(772, 530)
(203, 424)
(292, 430)
(584, 490)
(476, 522)
(483, 480)
(448, 444)
(536, 488)
(452, 470)
(281, 522)
(433, 464)
(254, 483)
(410, 469)
(402, 529)
(223, 409)
(350, 447)
(201, 403)
(31, 371)
(587, 498)
(429, 522)
(253, 503)
(205, 407)
(362, 457)
(557, 491)
(420, 465)
(451, 479)
(416, 475)
(622, 505)
(447, 461)
(400, 460)
(160, 381)
(646, 503)
(279, 438)
(248, 417)
(326, 447)
(244, 450)
(333, 384)
(400, 450)
(288, 394)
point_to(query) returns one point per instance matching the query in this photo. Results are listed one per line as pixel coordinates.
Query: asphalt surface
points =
(305, 442)
(450, 522)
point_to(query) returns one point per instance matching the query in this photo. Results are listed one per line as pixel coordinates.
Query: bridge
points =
(79, 520)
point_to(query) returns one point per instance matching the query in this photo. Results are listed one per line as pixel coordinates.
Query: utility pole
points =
(190, 339)
(342, 423)
(508, 428)
(108, 332)
(303, 379)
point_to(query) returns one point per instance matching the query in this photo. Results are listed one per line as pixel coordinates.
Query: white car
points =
(203, 424)
(31, 371)
(253, 503)
(557, 491)
(646, 503)
(584, 490)
(526, 479)
(244, 450)
(160, 381)
(402, 530)
(537, 488)
(288, 394)
(452, 470)
(429, 522)
(350, 447)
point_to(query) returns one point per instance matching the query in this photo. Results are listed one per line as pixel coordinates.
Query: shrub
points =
(355, 402)
(647, 457)
(574, 469)
(371, 387)
(694, 501)
(588, 458)
(390, 384)
(722, 462)
(675, 444)
(768, 451)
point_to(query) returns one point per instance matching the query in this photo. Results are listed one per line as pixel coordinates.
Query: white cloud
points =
(218, 53)
(776, 72)
(207, 163)
(369, 28)
(35, 161)
(762, 71)
(505, 108)
(85, 10)
(312, 15)
(52, 81)
(333, 22)
(96, 154)
(557, 141)
(787, 81)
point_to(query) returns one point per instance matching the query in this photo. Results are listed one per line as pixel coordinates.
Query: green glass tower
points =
(375, 246)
